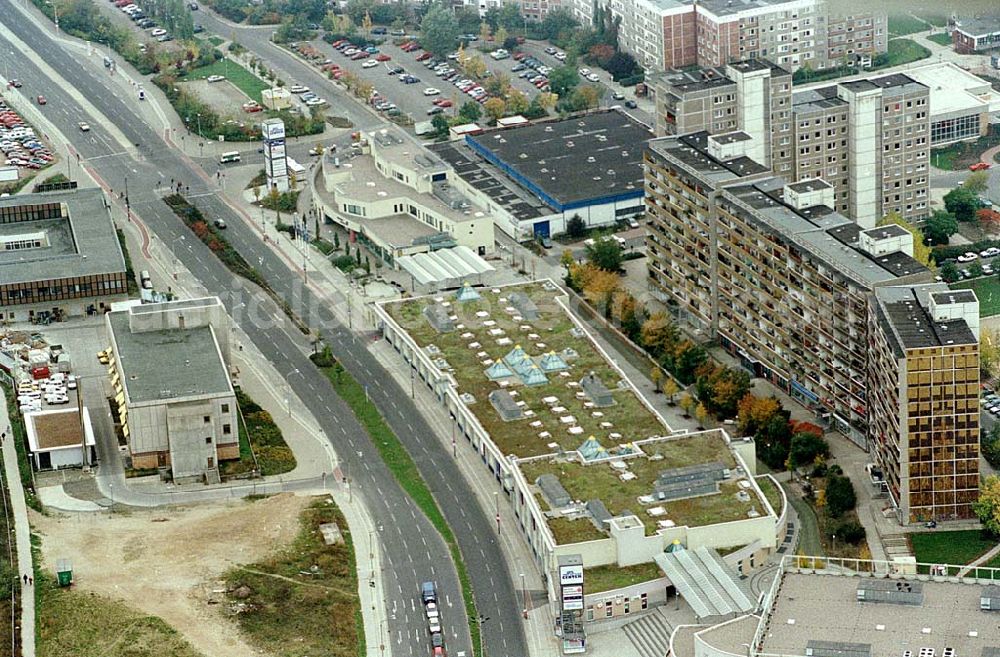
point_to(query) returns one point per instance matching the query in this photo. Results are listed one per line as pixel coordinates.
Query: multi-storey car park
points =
(588, 467)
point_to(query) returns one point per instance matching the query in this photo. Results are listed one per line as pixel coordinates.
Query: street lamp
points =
(55, 9)
(479, 621)
(288, 397)
(524, 592)
(496, 498)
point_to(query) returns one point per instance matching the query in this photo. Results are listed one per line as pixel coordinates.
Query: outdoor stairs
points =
(650, 634)
(212, 476)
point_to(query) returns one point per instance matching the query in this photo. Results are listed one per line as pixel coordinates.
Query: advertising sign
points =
(273, 129)
(571, 591)
(570, 575)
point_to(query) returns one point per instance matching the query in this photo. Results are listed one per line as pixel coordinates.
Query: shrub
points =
(849, 531)
(840, 496)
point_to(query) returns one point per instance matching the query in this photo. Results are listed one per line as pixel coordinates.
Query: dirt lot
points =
(224, 97)
(168, 562)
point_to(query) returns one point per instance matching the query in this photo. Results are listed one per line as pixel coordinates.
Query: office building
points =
(770, 269)
(976, 36)
(924, 422)
(532, 179)
(176, 403)
(59, 256)
(396, 197)
(665, 34)
(867, 138)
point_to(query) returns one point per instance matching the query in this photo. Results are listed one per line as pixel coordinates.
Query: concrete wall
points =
(864, 153)
(192, 440)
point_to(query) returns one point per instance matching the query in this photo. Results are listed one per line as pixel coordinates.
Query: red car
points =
(424, 56)
(443, 102)
(359, 55)
(382, 57)
(518, 56)
(338, 42)
(979, 166)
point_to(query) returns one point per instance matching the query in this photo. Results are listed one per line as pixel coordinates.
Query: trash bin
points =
(64, 572)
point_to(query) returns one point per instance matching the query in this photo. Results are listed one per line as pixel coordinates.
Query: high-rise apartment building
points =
(868, 138)
(923, 425)
(770, 269)
(664, 34)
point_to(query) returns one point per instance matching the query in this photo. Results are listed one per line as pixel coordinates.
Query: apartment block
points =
(664, 34)
(924, 424)
(770, 269)
(868, 138)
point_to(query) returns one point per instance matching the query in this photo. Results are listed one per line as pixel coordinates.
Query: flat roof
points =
(81, 236)
(885, 232)
(571, 162)
(692, 151)
(398, 230)
(979, 26)
(57, 429)
(821, 607)
(810, 185)
(953, 89)
(169, 364)
(904, 316)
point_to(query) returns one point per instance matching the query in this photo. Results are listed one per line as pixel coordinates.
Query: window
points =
(644, 601)
(627, 605)
(208, 440)
(608, 610)
(227, 429)
(225, 408)
(207, 419)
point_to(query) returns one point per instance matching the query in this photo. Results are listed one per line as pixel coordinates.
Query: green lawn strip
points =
(405, 471)
(21, 445)
(73, 622)
(132, 285)
(950, 547)
(988, 291)
(809, 543)
(216, 41)
(958, 156)
(303, 601)
(260, 437)
(941, 39)
(904, 51)
(611, 577)
(770, 492)
(903, 24)
(243, 79)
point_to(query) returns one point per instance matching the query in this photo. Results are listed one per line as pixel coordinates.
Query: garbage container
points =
(64, 572)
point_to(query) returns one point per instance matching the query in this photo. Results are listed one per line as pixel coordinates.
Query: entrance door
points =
(211, 462)
(161, 459)
(541, 229)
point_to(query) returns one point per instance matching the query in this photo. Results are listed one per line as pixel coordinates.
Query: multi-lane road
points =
(414, 551)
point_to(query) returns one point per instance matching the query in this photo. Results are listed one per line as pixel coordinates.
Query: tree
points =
(701, 413)
(805, 448)
(575, 227)
(563, 79)
(439, 30)
(688, 404)
(517, 102)
(475, 66)
(949, 272)
(605, 253)
(499, 85)
(685, 360)
(366, 24)
(584, 97)
(509, 18)
(976, 269)
(495, 108)
(977, 182)
(558, 23)
(336, 240)
(755, 412)
(468, 20)
(721, 389)
(441, 126)
(987, 507)
(598, 286)
(670, 388)
(773, 440)
(485, 32)
(962, 202)
(840, 495)
(567, 259)
(658, 334)
(940, 226)
(656, 376)
(621, 65)
(990, 446)
(989, 355)
(921, 252)
(601, 54)
(470, 112)
(500, 36)
(989, 220)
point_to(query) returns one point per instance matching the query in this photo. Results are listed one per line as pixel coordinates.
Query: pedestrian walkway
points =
(22, 533)
(980, 560)
(650, 634)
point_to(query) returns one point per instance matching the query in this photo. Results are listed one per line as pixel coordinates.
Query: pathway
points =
(22, 533)
(980, 560)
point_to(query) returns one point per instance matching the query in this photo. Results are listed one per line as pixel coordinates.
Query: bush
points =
(840, 496)
(849, 531)
(632, 80)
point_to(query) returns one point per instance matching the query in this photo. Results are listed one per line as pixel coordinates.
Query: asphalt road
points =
(414, 550)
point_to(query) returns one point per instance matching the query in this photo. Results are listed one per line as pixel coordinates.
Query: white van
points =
(231, 156)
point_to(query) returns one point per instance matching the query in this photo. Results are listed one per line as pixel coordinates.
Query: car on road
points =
(15, 83)
(84, 127)
(968, 256)
(618, 95)
(359, 55)
(631, 104)
(41, 100)
(164, 37)
(215, 78)
(979, 166)
(435, 110)
(193, 6)
(583, 72)
(252, 107)
(370, 63)
(220, 224)
(409, 79)
(197, 29)
(443, 102)
(316, 150)
(431, 91)
(313, 102)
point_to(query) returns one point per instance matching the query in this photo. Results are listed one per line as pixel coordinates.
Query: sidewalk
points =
(22, 532)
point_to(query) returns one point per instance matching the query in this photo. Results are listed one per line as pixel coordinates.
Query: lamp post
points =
(524, 592)
(496, 498)
(479, 621)
(55, 9)
(288, 396)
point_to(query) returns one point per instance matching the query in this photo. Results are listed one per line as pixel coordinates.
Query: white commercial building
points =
(176, 403)
(56, 438)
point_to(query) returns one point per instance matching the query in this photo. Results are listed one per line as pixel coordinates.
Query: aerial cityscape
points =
(509, 328)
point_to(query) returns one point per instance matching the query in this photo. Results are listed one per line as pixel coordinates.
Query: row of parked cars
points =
(21, 147)
(52, 390)
(134, 11)
(990, 402)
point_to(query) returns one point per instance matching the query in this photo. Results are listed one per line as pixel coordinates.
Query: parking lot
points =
(986, 259)
(223, 96)
(19, 145)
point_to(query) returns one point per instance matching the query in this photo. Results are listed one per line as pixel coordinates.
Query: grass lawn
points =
(71, 622)
(958, 156)
(771, 492)
(988, 291)
(401, 464)
(246, 81)
(904, 51)
(294, 614)
(903, 24)
(809, 543)
(950, 547)
(609, 578)
(216, 41)
(941, 39)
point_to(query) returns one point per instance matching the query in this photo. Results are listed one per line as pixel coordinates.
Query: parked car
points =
(431, 91)
(215, 78)
(370, 63)
(979, 166)
(631, 104)
(968, 256)
(84, 127)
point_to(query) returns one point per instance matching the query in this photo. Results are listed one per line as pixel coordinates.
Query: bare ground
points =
(169, 562)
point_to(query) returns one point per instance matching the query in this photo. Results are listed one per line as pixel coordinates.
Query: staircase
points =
(650, 634)
(212, 476)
